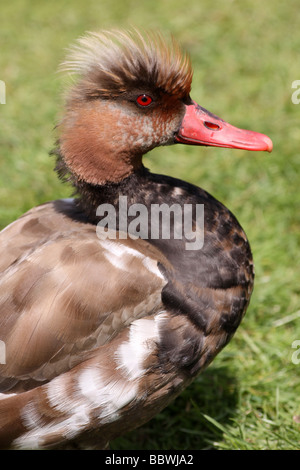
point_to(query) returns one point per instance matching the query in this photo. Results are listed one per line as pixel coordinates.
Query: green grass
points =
(245, 57)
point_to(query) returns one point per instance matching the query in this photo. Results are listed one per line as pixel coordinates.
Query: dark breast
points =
(210, 286)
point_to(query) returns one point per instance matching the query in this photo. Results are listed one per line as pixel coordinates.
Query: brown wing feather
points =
(64, 294)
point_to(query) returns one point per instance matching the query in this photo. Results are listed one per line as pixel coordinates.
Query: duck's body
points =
(102, 332)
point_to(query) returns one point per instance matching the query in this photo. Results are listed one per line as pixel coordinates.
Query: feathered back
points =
(111, 63)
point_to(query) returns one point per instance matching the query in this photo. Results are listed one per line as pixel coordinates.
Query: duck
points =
(105, 318)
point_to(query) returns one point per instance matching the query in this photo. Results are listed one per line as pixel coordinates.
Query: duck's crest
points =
(111, 63)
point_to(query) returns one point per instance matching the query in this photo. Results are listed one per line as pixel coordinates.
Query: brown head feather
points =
(110, 63)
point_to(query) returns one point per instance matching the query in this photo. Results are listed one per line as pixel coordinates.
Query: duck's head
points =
(133, 94)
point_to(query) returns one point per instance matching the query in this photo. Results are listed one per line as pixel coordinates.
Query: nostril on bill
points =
(212, 126)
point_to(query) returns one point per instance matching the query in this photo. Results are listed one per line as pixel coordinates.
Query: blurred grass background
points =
(245, 57)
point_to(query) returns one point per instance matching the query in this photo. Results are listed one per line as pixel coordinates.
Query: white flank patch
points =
(143, 336)
(30, 417)
(116, 261)
(116, 255)
(68, 428)
(58, 396)
(109, 397)
(118, 249)
(75, 417)
(151, 265)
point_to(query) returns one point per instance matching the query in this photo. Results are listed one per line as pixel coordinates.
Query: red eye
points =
(144, 100)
